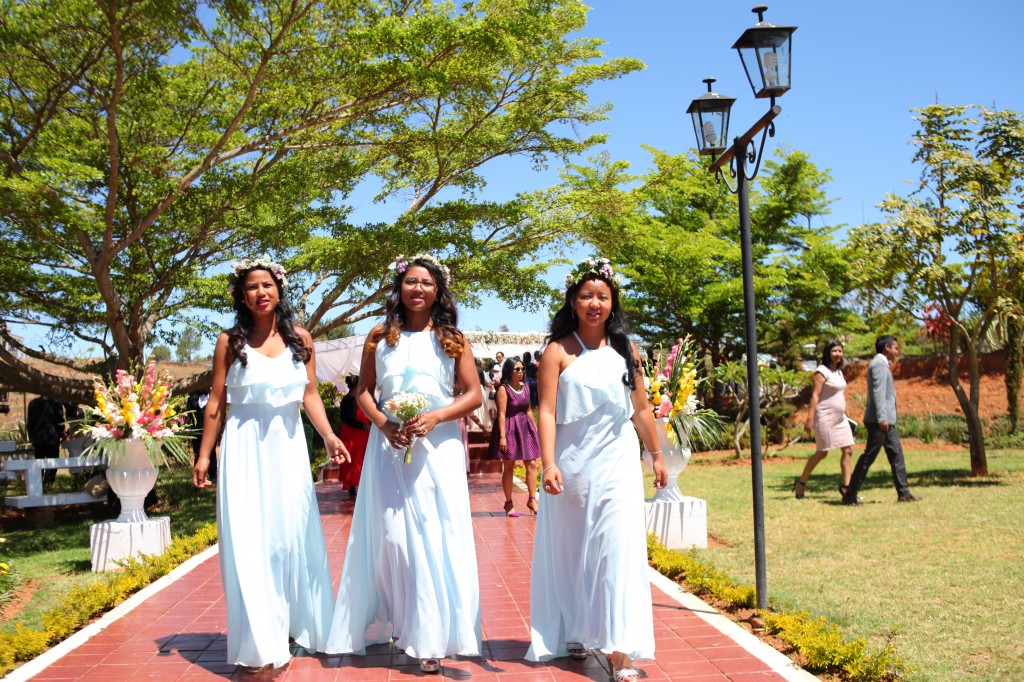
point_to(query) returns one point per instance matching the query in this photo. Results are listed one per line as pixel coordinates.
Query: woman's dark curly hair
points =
(240, 334)
(443, 315)
(826, 355)
(565, 323)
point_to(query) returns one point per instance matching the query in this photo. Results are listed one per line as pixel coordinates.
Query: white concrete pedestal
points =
(679, 524)
(113, 541)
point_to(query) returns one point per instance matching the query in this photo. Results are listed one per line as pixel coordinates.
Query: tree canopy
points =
(675, 235)
(955, 243)
(146, 143)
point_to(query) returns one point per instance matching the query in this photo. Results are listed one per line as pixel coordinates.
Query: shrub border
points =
(823, 644)
(80, 605)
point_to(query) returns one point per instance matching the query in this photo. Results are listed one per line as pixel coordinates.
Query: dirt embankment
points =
(922, 387)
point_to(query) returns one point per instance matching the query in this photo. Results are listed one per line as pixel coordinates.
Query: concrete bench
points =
(33, 472)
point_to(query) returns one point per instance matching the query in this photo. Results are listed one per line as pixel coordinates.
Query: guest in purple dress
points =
(514, 435)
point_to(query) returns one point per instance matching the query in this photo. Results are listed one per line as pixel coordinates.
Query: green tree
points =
(676, 238)
(146, 143)
(162, 353)
(954, 240)
(189, 342)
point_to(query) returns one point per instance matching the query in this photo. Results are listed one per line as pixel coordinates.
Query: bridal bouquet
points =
(405, 406)
(673, 381)
(139, 408)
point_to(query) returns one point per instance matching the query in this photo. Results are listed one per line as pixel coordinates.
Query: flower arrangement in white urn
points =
(134, 425)
(672, 380)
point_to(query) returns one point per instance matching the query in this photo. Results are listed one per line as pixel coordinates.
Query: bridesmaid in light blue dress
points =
(410, 572)
(589, 586)
(272, 556)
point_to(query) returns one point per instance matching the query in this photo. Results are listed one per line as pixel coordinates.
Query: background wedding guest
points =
(273, 560)
(590, 588)
(196, 407)
(514, 437)
(826, 417)
(45, 426)
(530, 374)
(354, 432)
(410, 571)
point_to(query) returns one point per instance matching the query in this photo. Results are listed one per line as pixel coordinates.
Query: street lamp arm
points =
(746, 138)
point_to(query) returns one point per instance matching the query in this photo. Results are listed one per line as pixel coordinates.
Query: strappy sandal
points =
(430, 665)
(627, 675)
(531, 504)
(576, 650)
(510, 510)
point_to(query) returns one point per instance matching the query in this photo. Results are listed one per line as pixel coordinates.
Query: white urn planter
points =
(674, 456)
(131, 476)
(678, 521)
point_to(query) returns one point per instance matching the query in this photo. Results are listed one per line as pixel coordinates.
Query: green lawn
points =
(943, 577)
(58, 556)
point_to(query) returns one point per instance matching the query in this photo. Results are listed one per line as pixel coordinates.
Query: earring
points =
(611, 316)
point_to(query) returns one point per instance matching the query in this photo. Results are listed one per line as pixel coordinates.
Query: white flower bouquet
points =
(405, 406)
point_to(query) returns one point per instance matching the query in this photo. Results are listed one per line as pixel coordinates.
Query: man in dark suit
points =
(880, 420)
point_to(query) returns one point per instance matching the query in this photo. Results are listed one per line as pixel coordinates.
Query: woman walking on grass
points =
(826, 418)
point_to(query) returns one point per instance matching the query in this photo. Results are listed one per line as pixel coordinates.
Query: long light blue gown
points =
(410, 567)
(589, 581)
(273, 560)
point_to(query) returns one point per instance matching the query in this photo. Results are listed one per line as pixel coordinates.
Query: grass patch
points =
(943, 574)
(58, 556)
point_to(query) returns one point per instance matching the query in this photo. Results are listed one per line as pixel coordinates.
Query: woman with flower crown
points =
(273, 559)
(410, 573)
(589, 586)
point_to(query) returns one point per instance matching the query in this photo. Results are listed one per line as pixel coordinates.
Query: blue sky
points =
(858, 70)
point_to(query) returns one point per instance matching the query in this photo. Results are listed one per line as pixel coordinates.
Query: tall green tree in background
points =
(954, 241)
(145, 142)
(676, 238)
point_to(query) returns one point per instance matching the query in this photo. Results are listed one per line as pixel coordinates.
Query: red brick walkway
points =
(178, 632)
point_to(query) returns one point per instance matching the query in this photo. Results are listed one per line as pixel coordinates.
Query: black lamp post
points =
(765, 51)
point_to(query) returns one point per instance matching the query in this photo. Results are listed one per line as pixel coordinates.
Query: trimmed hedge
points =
(820, 642)
(80, 605)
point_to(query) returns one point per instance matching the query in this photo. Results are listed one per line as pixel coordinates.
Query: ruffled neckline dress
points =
(273, 557)
(590, 581)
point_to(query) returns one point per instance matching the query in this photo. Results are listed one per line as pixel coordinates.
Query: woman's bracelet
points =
(652, 453)
(550, 466)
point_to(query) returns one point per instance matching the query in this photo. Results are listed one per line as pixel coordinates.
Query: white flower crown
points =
(602, 267)
(238, 267)
(401, 264)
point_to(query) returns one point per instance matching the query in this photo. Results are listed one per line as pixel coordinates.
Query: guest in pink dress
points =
(514, 436)
(827, 418)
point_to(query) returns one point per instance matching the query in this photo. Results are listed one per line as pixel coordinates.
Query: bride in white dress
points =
(589, 587)
(273, 559)
(410, 572)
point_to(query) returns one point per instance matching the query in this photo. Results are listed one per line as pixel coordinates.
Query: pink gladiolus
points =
(665, 407)
(147, 386)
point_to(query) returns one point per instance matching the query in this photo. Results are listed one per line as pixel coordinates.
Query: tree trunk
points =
(968, 403)
(1014, 368)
